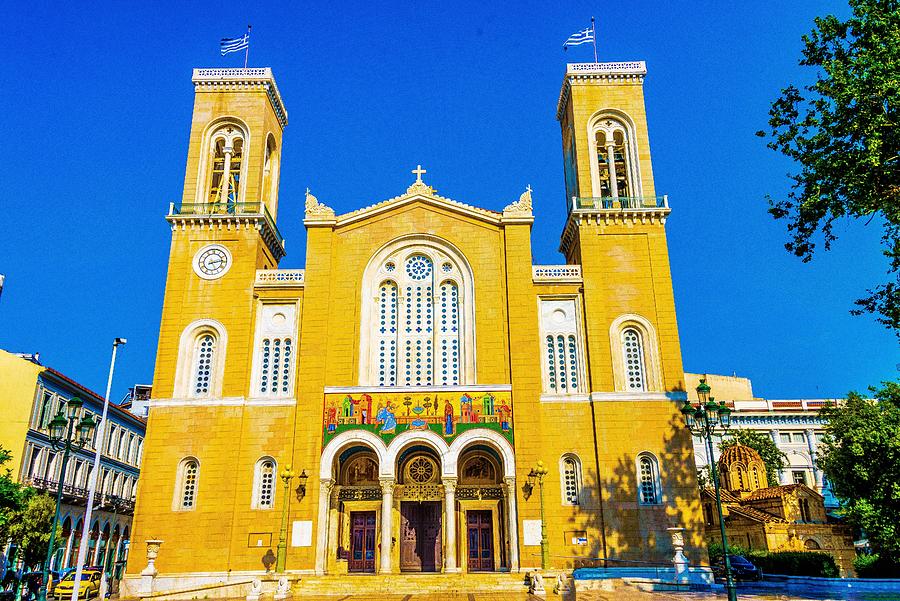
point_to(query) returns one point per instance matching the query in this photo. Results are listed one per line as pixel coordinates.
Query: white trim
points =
(652, 365)
(576, 460)
(345, 439)
(427, 438)
(178, 497)
(266, 311)
(184, 368)
(574, 330)
(599, 397)
(238, 401)
(491, 438)
(373, 275)
(657, 479)
(423, 389)
(566, 398)
(257, 483)
(204, 176)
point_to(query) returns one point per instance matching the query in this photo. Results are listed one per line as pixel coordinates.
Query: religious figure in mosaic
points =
(387, 419)
(331, 419)
(448, 418)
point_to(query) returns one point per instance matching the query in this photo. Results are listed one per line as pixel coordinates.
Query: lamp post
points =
(286, 475)
(62, 429)
(537, 474)
(704, 421)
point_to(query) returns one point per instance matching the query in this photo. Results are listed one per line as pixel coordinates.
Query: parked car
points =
(30, 584)
(88, 587)
(741, 568)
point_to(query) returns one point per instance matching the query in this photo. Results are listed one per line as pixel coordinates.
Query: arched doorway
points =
(419, 493)
(480, 495)
(359, 501)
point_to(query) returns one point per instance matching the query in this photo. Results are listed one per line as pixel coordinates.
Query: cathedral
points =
(421, 397)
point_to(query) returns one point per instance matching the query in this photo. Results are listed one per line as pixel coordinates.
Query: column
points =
(775, 438)
(96, 549)
(325, 485)
(611, 164)
(450, 524)
(819, 484)
(225, 185)
(387, 528)
(68, 553)
(513, 518)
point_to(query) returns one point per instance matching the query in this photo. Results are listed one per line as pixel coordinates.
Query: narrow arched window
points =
(561, 342)
(204, 353)
(387, 334)
(448, 333)
(615, 175)
(648, 480)
(187, 489)
(226, 160)
(754, 472)
(633, 356)
(264, 484)
(571, 480)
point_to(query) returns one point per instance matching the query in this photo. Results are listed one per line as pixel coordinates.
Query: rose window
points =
(421, 470)
(418, 267)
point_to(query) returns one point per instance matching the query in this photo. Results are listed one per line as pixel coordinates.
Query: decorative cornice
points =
(675, 395)
(217, 80)
(621, 216)
(630, 70)
(280, 278)
(419, 193)
(316, 212)
(258, 221)
(423, 389)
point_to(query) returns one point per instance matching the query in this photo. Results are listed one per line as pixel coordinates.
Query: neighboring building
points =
(794, 425)
(137, 401)
(419, 367)
(31, 395)
(788, 517)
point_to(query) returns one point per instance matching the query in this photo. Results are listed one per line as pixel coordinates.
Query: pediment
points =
(420, 192)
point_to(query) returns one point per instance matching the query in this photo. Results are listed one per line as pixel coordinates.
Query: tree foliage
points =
(762, 444)
(860, 456)
(30, 527)
(842, 131)
(10, 495)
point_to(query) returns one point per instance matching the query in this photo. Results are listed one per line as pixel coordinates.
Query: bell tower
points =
(615, 229)
(223, 230)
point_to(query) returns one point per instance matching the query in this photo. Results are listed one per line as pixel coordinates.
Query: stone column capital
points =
(326, 484)
(387, 485)
(449, 485)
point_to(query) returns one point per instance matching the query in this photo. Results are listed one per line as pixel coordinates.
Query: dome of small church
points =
(742, 470)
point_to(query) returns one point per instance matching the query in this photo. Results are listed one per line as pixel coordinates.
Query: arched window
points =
(270, 174)
(202, 367)
(264, 484)
(633, 356)
(225, 174)
(648, 480)
(418, 331)
(754, 473)
(570, 468)
(186, 491)
(614, 173)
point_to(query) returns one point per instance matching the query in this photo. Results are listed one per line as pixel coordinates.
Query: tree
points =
(31, 526)
(860, 456)
(843, 132)
(762, 444)
(10, 495)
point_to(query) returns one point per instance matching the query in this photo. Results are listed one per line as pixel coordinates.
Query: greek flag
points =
(227, 45)
(580, 37)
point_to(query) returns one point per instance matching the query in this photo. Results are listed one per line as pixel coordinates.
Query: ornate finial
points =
(419, 186)
(315, 209)
(522, 206)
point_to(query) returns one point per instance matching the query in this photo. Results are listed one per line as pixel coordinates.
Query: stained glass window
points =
(647, 478)
(266, 484)
(571, 484)
(562, 361)
(275, 366)
(189, 483)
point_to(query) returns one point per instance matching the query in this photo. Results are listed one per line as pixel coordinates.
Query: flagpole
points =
(594, 31)
(247, 50)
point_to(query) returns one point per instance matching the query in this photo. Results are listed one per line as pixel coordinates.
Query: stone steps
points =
(402, 584)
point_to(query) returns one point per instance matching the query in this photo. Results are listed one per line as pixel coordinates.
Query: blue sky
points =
(95, 112)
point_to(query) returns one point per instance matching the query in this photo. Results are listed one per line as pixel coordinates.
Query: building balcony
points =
(238, 213)
(78, 495)
(280, 278)
(619, 203)
(556, 274)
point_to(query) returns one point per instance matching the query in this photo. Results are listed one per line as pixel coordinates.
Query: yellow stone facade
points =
(211, 436)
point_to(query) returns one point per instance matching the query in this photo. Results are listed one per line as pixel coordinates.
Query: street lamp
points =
(537, 474)
(703, 421)
(67, 432)
(286, 475)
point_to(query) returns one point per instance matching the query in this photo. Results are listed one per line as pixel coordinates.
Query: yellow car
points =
(88, 587)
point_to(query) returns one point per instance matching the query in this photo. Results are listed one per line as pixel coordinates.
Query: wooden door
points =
(480, 540)
(362, 541)
(420, 537)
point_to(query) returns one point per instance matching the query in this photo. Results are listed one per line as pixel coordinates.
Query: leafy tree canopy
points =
(10, 494)
(764, 445)
(30, 527)
(842, 131)
(860, 455)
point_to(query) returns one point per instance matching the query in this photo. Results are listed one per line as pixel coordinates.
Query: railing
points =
(78, 492)
(280, 277)
(621, 67)
(556, 273)
(610, 203)
(232, 73)
(225, 209)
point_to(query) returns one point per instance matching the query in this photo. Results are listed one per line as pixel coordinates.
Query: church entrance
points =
(362, 541)
(480, 540)
(420, 536)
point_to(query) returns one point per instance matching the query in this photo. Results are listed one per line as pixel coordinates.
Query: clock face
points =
(212, 262)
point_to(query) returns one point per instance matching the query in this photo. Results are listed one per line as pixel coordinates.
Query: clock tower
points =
(224, 228)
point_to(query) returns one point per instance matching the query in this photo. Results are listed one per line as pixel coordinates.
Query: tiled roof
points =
(755, 514)
(774, 492)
